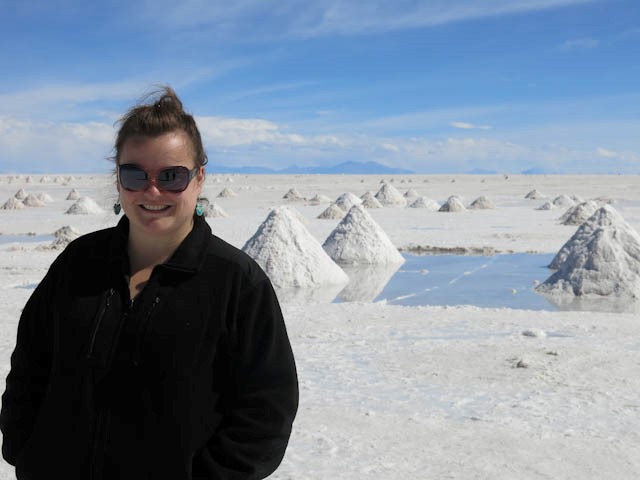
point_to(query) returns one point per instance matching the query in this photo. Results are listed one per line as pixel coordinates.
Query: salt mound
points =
(535, 195)
(29, 179)
(453, 204)
(318, 199)
(290, 255)
(580, 213)
(73, 195)
(63, 236)
(13, 204)
(347, 200)
(333, 212)
(369, 201)
(482, 203)
(388, 195)
(546, 206)
(359, 239)
(227, 193)
(563, 201)
(21, 194)
(424, 202)
(602, 258)
(293, 195)
(45, 197)
(411, 193)
(84, 206)
(32, 200)
(215, 211)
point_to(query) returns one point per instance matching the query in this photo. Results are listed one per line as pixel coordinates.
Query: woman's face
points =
(153, 211)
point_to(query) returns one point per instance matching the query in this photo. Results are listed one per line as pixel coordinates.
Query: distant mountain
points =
(356, 168)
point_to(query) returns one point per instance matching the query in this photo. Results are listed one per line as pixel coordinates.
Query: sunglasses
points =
(172, 179)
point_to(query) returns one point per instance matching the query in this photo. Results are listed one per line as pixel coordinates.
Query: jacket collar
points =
(188, 257)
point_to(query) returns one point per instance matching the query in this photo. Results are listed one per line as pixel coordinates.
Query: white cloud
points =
(603, 152)
(470, 126)
(580, 44)
(293, 18)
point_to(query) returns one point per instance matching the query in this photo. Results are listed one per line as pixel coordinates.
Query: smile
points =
(155, 208)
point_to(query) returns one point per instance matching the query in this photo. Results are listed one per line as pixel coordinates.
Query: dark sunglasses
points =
(172, 179)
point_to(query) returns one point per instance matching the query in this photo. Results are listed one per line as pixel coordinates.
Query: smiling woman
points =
(152, 349)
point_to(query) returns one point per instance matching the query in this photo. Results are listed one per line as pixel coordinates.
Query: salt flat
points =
(415, 392)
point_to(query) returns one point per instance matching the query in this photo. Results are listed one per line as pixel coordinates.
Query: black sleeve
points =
(263, 398)
(28, 378)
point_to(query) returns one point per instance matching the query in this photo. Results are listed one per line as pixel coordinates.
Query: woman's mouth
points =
(155, 208)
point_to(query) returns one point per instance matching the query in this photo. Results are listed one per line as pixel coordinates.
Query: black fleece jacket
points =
(194, 380)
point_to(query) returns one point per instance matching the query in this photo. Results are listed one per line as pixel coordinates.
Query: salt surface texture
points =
(84, 206)
(290, 254)
(358, 239)
(389, 196)
(601, 258)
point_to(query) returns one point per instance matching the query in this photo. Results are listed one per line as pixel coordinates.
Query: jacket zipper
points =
(142, 331)
(98, 322)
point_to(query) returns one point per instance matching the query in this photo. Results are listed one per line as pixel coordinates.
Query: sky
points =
(440, 86)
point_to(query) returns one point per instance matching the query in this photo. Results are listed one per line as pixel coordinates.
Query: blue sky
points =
(439, 86)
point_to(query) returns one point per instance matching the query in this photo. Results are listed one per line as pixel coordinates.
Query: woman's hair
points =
(158, 113)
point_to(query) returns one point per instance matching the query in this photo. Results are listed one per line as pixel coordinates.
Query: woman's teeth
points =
(155, 207)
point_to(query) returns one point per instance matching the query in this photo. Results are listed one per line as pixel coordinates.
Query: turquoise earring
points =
(199, 210)
(117, 208)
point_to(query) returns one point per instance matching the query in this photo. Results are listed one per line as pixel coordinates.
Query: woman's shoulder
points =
(223, 255)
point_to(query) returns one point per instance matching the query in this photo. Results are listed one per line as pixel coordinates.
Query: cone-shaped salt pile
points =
(84, 206)
(63, 236)
(21, 194)
(388, 195)
(579, 214)
(424, 202)
(347, 200)
(215, 211)
(29, 179)
(13, 204)
(293, 195)
(411, 194)
(563, 201)
(32, 200)
(227, 193)
(290, 255)
(369, 201)
(73, 195)
(318, 199)
(453, 204)
(601, 258)
(359, 239)
(534, 195)
(45, 197)
(332, 212)
(482, 203)
(546, 206)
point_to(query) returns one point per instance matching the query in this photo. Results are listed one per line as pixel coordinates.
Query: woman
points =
(151, 350)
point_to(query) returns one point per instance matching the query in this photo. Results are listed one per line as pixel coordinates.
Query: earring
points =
(116, 208)
(199, 210)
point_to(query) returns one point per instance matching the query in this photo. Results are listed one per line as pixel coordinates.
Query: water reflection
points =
(366, 282)
(322, 294)
(594, 304)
